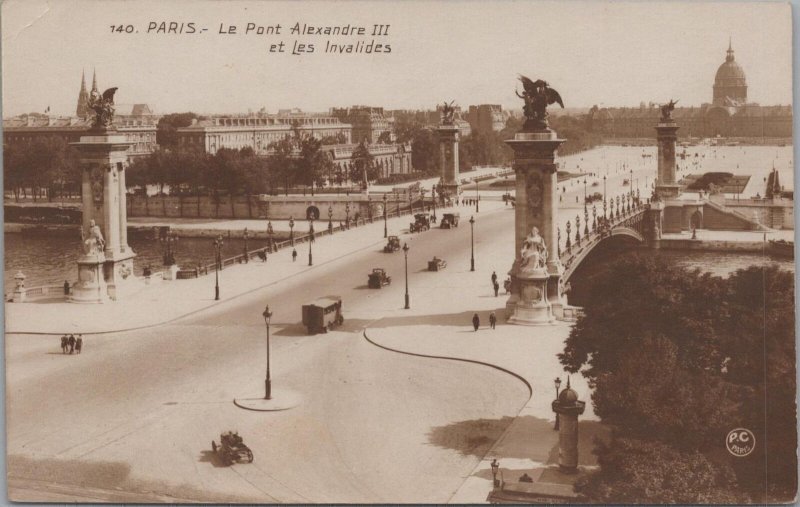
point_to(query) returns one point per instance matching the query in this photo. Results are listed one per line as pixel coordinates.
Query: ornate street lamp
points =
(577, 230)
(594, 217)
(433, 196)
(472, 243)
(291, 230)
(310, 240)
(267, 381)
(246, 256)
(217, 265)
(169, 243)
(604, 196)
(408, 298)
(270, 233)
(557, 383)
(347, 216)
(330, 219)
(385, 224)
(477, 196)
(569, 242)
(558, 241)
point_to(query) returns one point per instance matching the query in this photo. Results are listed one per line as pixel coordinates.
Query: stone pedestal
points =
(104, 159)
(532, 307)
(91, 285)
(568, 408)
(171, 272)
(448, 158)
(535, 167)
(666, 136)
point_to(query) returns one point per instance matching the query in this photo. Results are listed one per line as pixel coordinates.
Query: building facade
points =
(486, 118)
(259, 132)
(727, 115)
(368, 123)
(388, 158)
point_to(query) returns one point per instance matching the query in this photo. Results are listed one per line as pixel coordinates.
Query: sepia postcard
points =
(373, 252)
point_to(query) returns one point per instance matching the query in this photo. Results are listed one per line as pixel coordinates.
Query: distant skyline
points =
(609, 54)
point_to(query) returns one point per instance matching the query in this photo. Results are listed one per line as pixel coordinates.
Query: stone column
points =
(666, 136)
(568, 409)
(448, 150)
(535, 167)
(103, 156)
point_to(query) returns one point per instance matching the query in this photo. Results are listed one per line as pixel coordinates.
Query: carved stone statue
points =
(94, 244)
(666, 110)
(534, 251)
(537, 96)
(103, 107)
(448, 113)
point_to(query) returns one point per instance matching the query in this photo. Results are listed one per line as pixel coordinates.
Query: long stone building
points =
(727, 115)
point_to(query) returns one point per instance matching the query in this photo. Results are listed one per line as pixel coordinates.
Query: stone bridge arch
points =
(625, 235)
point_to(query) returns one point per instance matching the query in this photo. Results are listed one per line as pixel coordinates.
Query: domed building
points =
(728, 115)
(730, 84)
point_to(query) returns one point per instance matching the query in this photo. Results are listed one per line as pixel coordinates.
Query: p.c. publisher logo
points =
(740, 442)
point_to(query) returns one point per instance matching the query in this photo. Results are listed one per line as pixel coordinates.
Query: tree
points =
(675, 357)
(313, 163)
(364, 163)
(168, 125)
(281, 163)
(425, 151)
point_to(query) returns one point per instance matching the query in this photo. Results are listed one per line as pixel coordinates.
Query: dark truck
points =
(323, 314)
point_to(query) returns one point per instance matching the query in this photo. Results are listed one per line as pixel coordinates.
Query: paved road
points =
(132, 418)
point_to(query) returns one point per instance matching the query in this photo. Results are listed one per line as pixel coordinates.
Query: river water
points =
(51, 259)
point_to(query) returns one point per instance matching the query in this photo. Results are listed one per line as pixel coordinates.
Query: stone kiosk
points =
(536, 272)
(106, 268)
(448, 151)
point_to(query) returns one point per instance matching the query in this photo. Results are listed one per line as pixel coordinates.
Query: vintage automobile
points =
(392, 244)
(422, 222)
(231, 448)
(436, 264)
(378, 278)
(449, 220)
(323, 314)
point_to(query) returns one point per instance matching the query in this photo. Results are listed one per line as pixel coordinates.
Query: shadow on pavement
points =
(473, 437)
(209, 456)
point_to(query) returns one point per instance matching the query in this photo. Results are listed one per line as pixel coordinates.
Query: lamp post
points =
(385, 226)
(310, 240)
(594, 217)
(291, 230)
(246, 256)
(472, 243)
(557, 383)
(330, 219)
(604, 196)
(347, 216)
(270, 233)
(169, 244)
(477, 196)
(585, 210)
(433, 196)
(408, 298)
(267, 381)
(218, 248)
(495, 468)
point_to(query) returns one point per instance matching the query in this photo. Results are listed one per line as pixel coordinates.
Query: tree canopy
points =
(679, 358)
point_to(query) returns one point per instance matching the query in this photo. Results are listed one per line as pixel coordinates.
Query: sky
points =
(592, 52)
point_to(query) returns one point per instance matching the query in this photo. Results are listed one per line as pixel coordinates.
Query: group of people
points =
(476, 321)
(71, 343)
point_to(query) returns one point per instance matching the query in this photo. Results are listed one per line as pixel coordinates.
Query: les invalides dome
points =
(730, 84)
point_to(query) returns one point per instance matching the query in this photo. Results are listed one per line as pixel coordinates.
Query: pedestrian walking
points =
(496, 288)
(64, 344)
(476, 321)
(492, 319)
(71, 343)
(79, 343)
(294, 254)
(494, 277)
